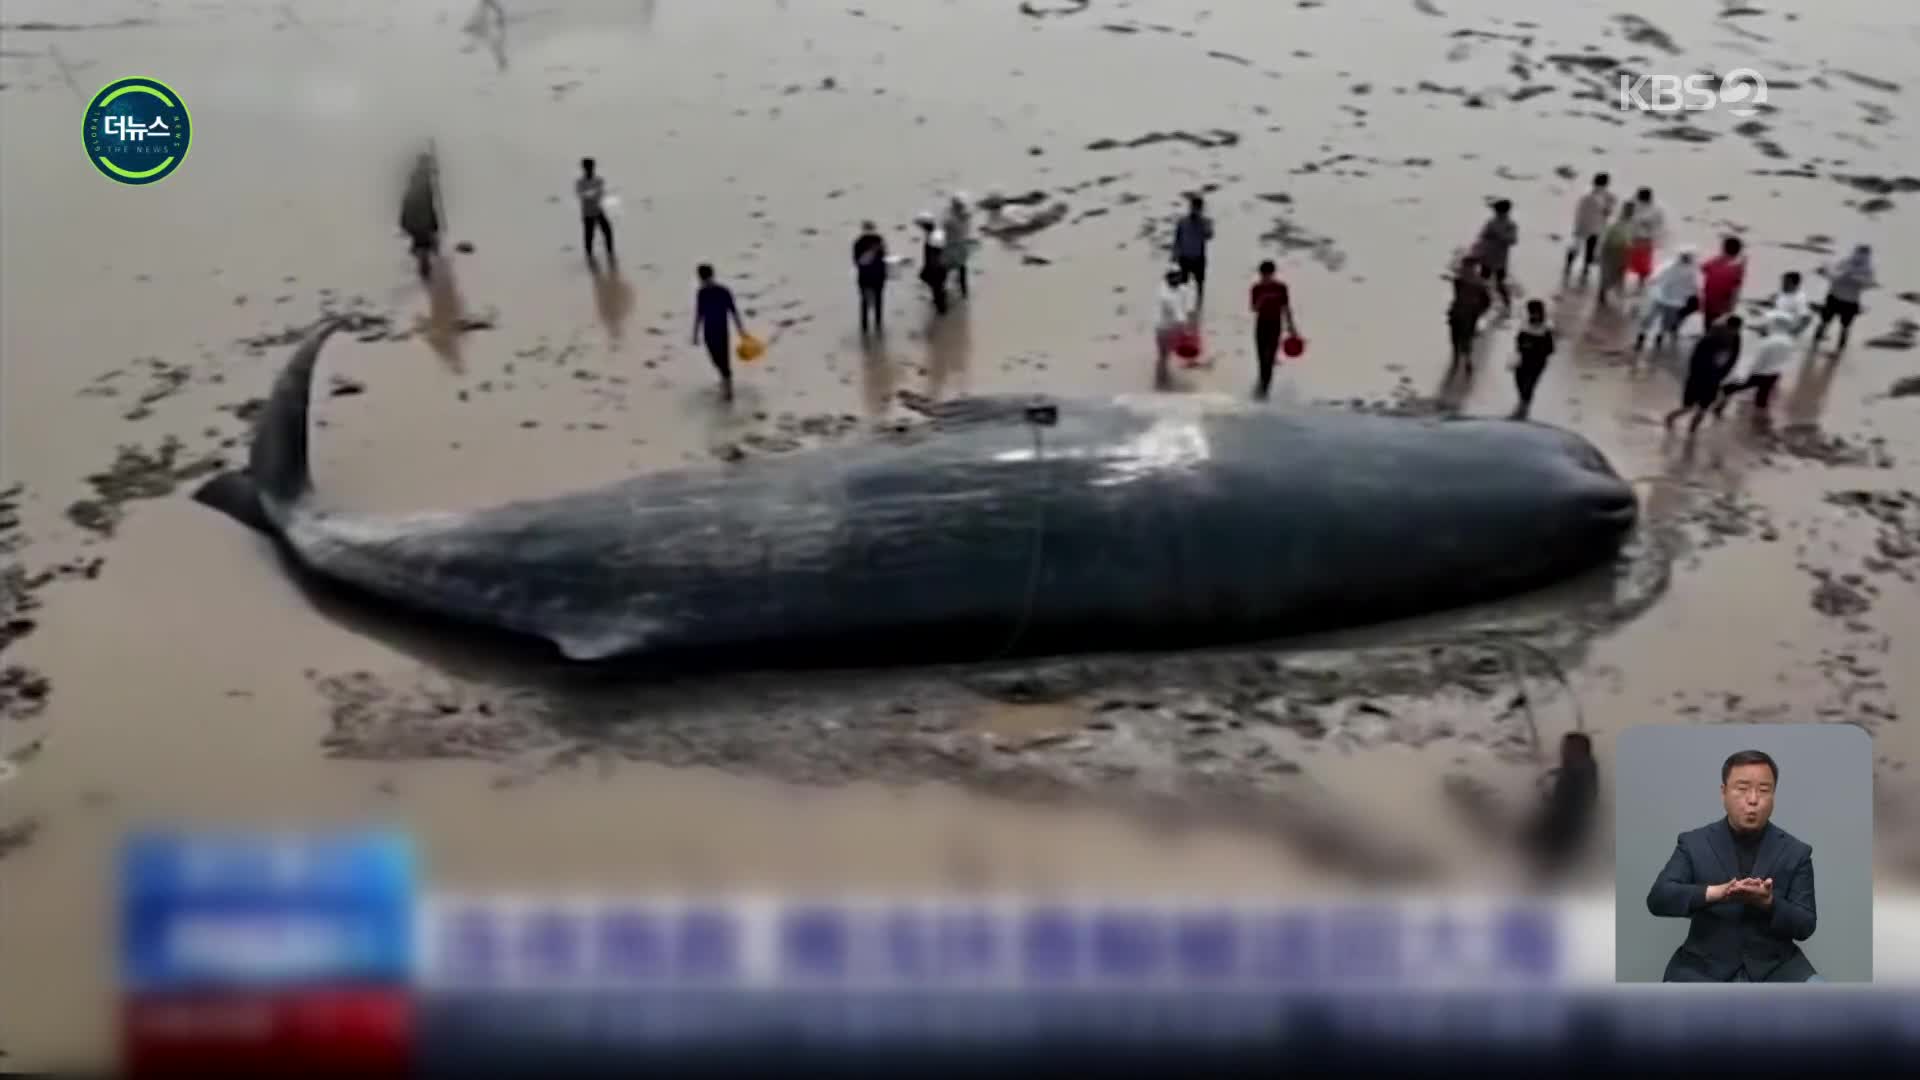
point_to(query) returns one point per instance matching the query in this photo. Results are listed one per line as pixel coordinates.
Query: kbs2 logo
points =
(1741, 92)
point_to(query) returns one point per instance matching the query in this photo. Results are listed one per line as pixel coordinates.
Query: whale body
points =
(1006, 525)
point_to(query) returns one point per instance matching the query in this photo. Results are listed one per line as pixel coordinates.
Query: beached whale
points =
(1006, 525)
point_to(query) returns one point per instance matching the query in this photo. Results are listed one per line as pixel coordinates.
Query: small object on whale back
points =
(1043, 415)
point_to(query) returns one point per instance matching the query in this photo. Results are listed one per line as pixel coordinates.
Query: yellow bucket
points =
(749, 349)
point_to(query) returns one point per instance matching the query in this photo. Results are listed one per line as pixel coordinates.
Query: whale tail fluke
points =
(278, 474)
(234, 494)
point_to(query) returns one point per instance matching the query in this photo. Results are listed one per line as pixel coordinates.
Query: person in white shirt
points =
(1791, 301)
(1759, 370)
(1174, 316)
(1649, 231)
(1591, 216)
(958, 226)
(1667, 294)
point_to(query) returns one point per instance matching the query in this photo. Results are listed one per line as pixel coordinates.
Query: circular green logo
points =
(137, 131)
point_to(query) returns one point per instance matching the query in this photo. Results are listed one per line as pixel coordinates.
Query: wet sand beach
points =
(161, 666)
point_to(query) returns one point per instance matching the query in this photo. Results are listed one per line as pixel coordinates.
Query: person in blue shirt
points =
(1191, 235)
(713, 310)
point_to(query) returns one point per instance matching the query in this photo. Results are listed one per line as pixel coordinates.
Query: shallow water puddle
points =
(1019, 727)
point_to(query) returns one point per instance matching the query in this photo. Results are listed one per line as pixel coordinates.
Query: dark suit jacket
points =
(1725, 936)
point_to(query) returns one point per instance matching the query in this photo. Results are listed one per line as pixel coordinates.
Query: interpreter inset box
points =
(1743, 853)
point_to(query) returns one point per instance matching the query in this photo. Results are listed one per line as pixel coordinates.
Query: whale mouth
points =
(1606, 499)
(1615, 507)
(1588, 457)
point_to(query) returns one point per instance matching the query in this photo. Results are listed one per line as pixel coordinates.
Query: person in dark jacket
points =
(933, 261)
(1532, 346)
(1744, 885)
(591, 189)
(713, 310)
(1560, 829)
(1493, 247)
(870, 274)
(1714, 357)
(420, 213)
(1471, 299)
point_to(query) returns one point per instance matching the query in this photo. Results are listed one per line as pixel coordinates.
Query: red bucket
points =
(1186, 345)
(1293, 346)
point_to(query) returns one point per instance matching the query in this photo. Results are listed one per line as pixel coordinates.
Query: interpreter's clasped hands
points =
(1755, 891)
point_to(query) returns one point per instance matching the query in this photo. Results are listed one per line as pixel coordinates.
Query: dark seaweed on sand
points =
(1034, 10)
(1216, 139)
(1641, 32)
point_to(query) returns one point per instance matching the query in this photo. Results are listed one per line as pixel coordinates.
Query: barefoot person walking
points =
(1532, 346)
(420, 212)
(933, 260)
(591, 189)
(1761, 373)
(1493, 246)
(1714, 357)
(1847, 280)
(1721, 280)
(713, 310)
(1672, 288)
(1591, 215)
(1791, 301)
(1191, 235)
(958, 227)
(1615, 245)
(1272, 308)
(870, 275)
(1471, 299)
(1173, 317)
(1649, 232)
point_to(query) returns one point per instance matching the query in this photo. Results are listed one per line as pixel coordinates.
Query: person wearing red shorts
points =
(1649, 227)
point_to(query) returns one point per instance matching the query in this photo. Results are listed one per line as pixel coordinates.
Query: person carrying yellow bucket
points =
(713, 309)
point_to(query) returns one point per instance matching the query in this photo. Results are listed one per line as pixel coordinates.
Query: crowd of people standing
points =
(1622, 241)
(1618, 240)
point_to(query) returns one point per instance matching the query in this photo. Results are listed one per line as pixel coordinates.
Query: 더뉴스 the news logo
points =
(1741, 92)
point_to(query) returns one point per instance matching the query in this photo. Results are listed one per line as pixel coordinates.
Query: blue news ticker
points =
(613, 943)
(238, 910)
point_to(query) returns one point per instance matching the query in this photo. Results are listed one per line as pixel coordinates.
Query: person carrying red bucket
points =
(1274, 328)
(1173, 331)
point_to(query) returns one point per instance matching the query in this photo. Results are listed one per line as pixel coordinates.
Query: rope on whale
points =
(1647, 560)
(1660, 547)
(1038, 416)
